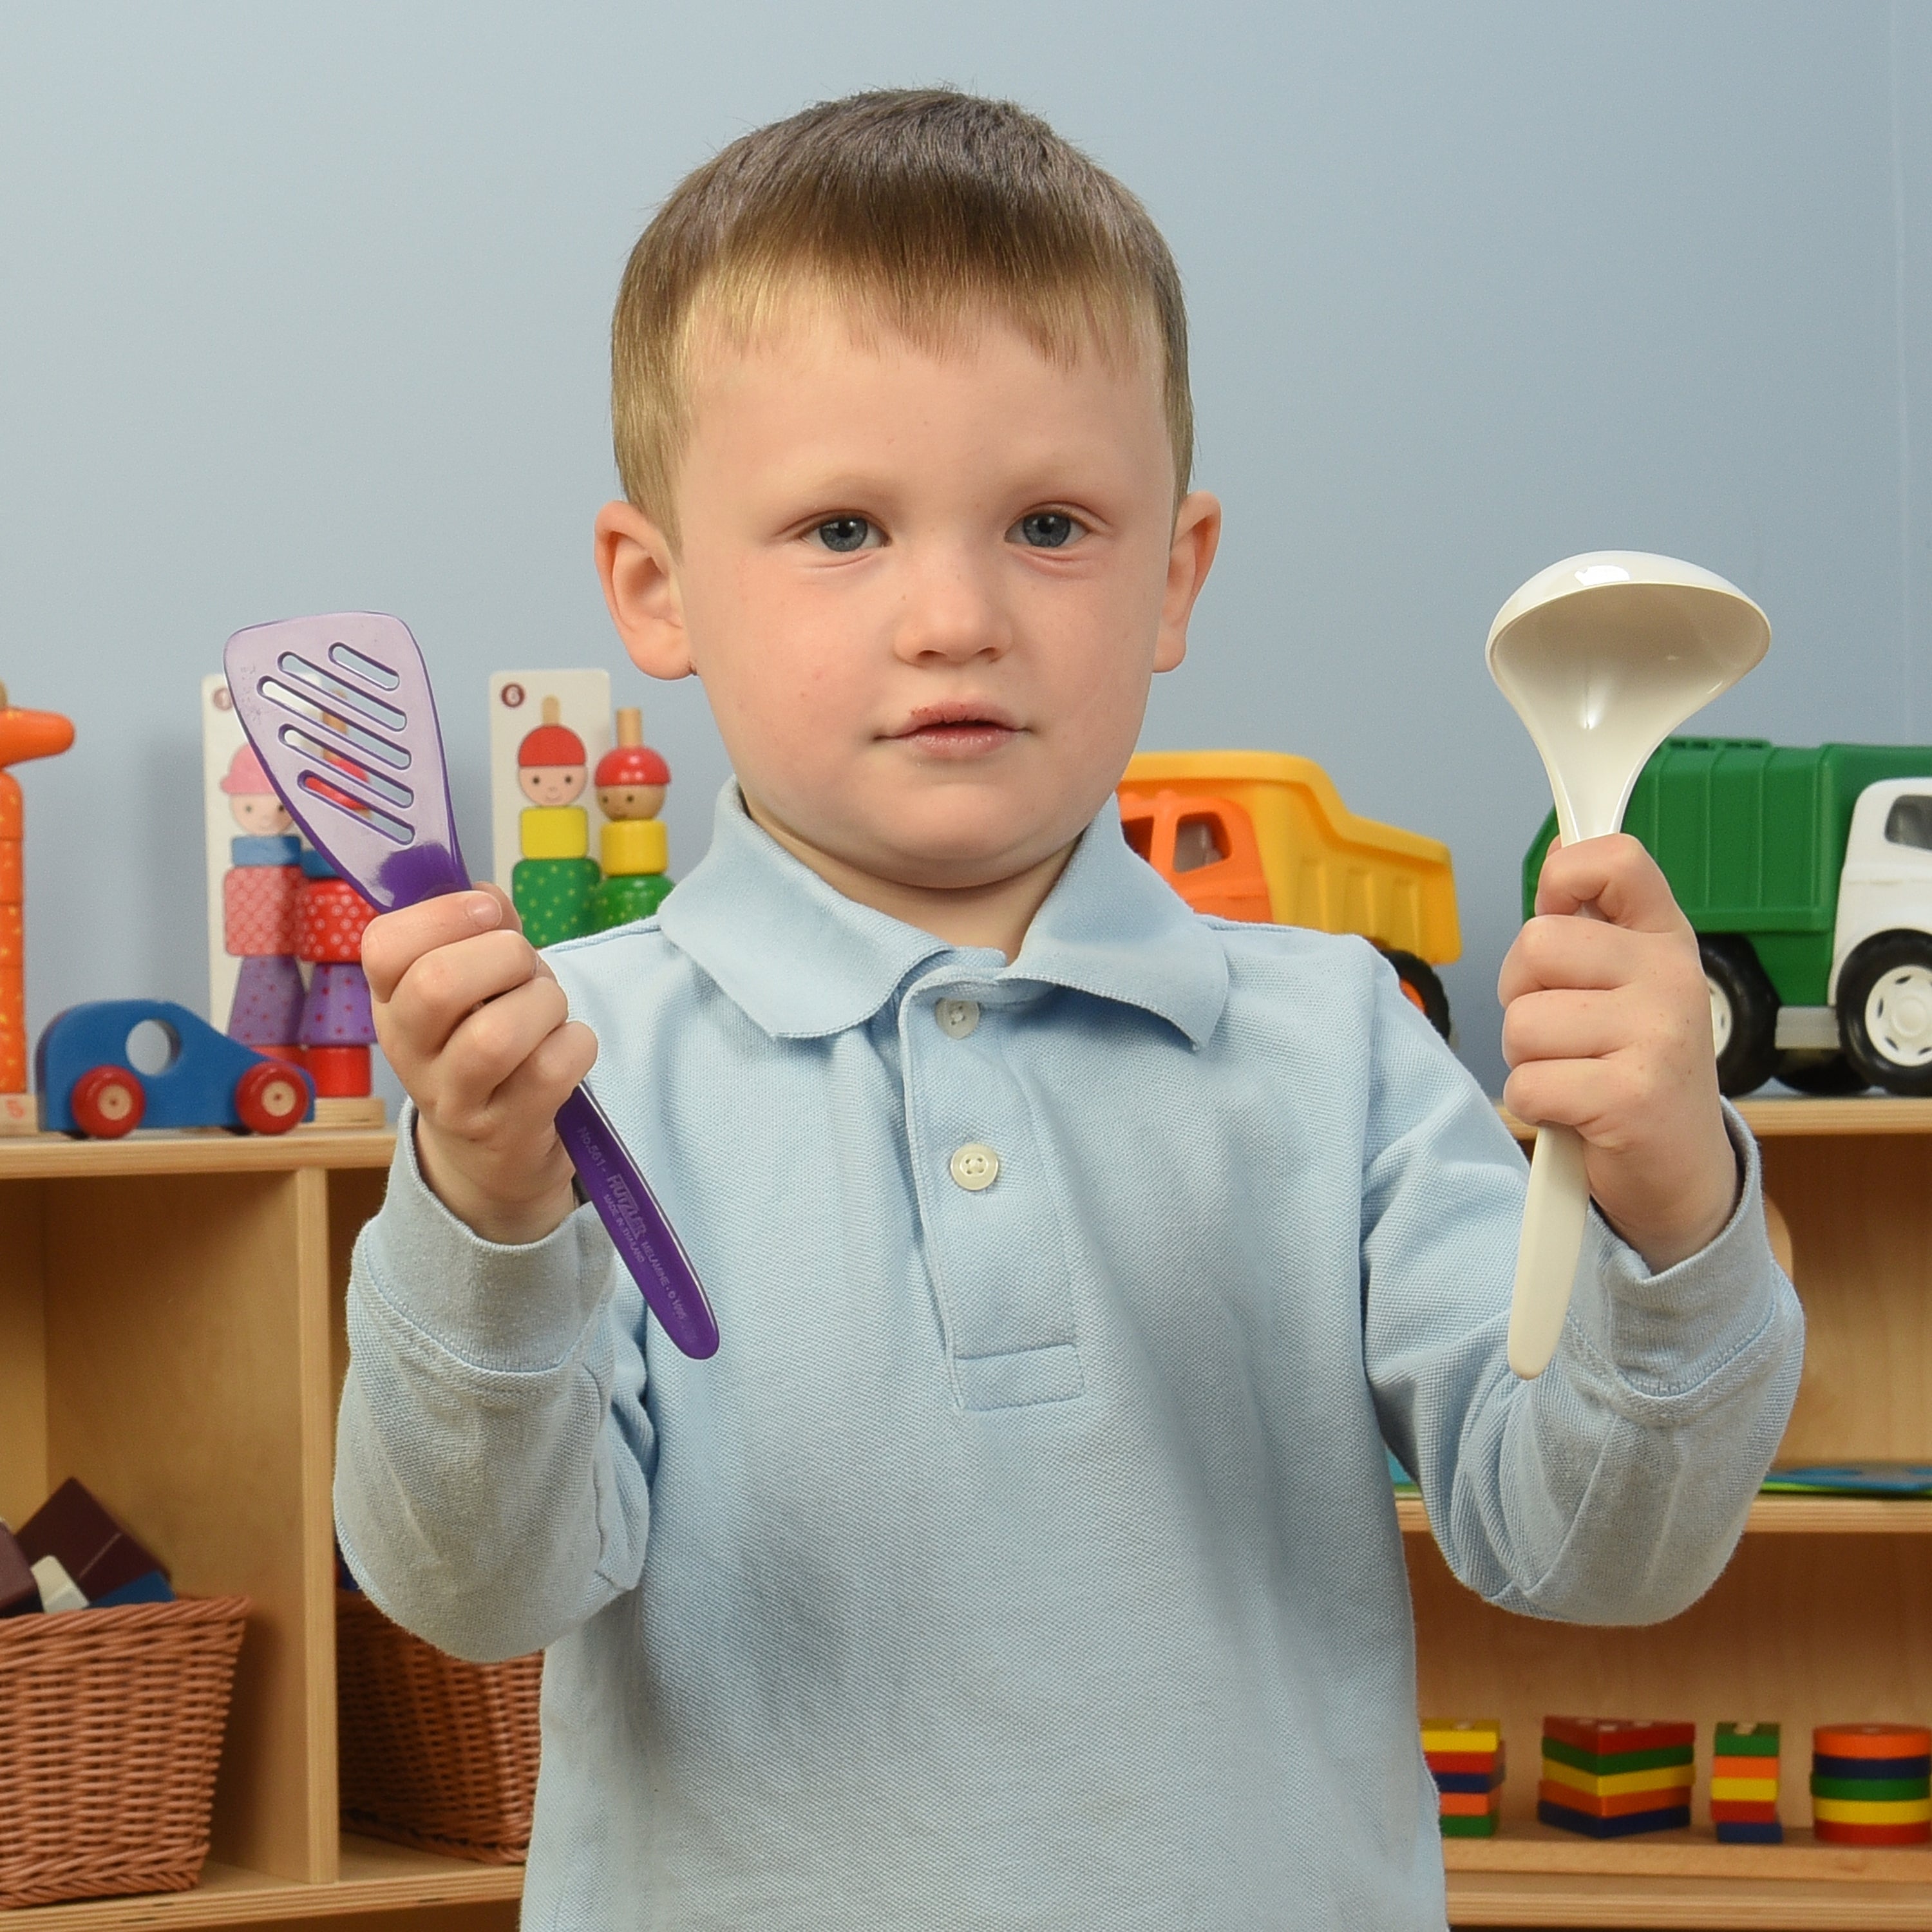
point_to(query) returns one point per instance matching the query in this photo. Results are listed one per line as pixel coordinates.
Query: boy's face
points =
(925, 592)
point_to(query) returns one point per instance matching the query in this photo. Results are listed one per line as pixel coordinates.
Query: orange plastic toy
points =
(23, 735)
(1265, 835)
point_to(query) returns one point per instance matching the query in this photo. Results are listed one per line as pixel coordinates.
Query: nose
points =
(952, 612)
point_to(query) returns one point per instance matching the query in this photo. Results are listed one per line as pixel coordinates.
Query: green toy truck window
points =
(1910, 821)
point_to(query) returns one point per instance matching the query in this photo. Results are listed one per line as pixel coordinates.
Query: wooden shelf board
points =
(1862, 1114)
(55, 1156)
(1780, 1516)
(375, 1877)
(1531, 1847)
(1545, 1899)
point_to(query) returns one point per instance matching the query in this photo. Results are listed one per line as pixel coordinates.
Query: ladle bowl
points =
(1602, 656)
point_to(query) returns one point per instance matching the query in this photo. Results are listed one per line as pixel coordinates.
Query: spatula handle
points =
(1546, 1256)
(636, 1225)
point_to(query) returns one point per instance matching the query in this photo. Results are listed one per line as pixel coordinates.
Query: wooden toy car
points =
(89, 1086)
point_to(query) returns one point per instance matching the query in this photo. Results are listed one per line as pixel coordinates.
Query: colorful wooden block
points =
(1566, 1819)
(1465, 1761)
(1759, 1740)
(1739, 1831)
(1828, 1832)
(1462, 1734)
(1466, 1780)
(1735, 1812)
(1616, 1763)
(1855, 1811)
(1616, 1737)
(1870, 1790)
(1467, 1804)
(1659, 1777)
(1825, 1765)
(90, 1547)
(1872, 1741)
(1746, 1790)
(1614, 1804)
(1484, 1827)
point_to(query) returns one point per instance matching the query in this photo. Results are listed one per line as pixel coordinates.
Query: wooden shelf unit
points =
(171, 1332)
(1824, 1614)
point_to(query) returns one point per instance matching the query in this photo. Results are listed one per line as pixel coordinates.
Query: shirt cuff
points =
(520, 1309)
(1666, 1334)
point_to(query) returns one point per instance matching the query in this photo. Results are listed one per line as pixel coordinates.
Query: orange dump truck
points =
(1265, 835)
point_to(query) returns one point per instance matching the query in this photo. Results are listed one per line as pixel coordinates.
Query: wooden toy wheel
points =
(270, 1098)
(107, 1102)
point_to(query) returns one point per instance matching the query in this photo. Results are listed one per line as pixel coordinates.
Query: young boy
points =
(1025, 1557)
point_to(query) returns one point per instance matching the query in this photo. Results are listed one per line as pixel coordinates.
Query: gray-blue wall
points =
(305, 310)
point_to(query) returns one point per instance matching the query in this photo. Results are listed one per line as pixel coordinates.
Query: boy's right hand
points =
(478, 1031)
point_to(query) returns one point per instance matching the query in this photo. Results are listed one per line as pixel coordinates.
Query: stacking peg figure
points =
(260, 893)
(553, 880)
(23, 735)
(631, 782)
(337, 1025)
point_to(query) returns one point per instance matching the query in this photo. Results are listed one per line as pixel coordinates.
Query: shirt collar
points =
(804, 962)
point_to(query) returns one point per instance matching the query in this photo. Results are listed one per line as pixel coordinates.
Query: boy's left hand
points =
(1606, 1028)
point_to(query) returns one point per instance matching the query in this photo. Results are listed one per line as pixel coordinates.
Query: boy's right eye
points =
(844, 534)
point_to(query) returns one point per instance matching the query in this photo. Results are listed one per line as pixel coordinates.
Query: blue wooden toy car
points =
(89, 1085)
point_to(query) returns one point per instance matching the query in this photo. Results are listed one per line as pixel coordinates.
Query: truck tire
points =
(1885, 1012)
(1420, 987)
(1744, 1014)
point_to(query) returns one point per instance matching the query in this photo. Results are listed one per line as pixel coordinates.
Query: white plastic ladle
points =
(1603, 656)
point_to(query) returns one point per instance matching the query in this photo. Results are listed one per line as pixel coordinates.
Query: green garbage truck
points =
(1806, 871)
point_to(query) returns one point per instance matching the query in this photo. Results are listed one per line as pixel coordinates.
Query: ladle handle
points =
(1546, 1257)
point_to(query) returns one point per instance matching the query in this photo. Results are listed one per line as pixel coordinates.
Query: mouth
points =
(960, 728)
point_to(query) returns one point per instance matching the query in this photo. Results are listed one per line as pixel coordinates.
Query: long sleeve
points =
(1612, 1488)
(493, 1454)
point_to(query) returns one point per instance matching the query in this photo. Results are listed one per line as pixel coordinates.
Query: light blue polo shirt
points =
(1025, 1557)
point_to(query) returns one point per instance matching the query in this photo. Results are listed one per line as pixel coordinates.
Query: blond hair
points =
(917, 210)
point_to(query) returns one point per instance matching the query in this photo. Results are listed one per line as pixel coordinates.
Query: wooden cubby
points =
(171, 1332)
(1825, 1613)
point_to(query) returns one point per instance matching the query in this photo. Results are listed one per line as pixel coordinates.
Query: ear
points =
(639, 574)
(1197, 535)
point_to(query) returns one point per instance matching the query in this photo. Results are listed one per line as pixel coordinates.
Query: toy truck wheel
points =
(269, 1098)
(1744, 1014)
(1885, 1012)
(1420, 987)
(107, 1102)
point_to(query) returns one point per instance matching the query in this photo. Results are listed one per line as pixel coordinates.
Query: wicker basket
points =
(110, 1733)
(435, 1752)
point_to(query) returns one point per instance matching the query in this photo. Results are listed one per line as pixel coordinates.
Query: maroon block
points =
(93, 1549)
(19, 1592)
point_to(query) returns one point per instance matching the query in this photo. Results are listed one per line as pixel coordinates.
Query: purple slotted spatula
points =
(339, 710)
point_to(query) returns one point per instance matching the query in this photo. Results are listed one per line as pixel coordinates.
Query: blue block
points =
(151, 1589)
(1824, 1766)
(1466, 1780)
(1625, 1827)
(1772, 1834)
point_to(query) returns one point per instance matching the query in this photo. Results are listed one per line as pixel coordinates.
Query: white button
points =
(974, 1166)
(957, 1017)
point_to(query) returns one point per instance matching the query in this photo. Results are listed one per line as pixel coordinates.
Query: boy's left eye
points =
(1048, 530)
(845, 535)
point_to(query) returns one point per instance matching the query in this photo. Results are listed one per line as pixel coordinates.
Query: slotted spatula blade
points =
(339, 710)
